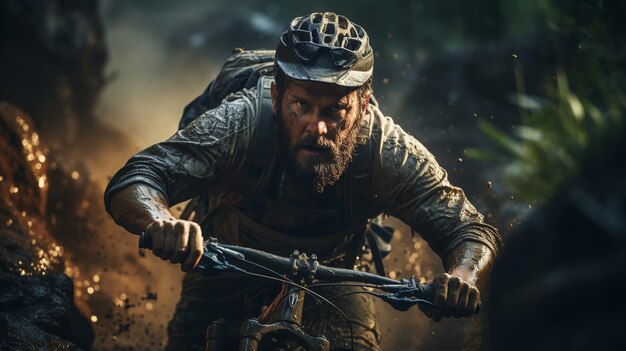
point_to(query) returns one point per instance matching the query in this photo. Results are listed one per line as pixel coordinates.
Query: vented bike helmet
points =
(326, 47)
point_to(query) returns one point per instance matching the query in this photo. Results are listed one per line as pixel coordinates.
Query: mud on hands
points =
(176, 240)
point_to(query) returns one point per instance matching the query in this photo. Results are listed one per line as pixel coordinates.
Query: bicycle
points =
(298, 274)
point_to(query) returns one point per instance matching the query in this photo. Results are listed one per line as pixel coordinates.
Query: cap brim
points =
(346, 78)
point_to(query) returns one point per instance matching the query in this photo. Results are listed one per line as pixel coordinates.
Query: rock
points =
(37, 307)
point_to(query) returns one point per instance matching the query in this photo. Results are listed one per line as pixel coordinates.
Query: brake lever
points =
(406, 294)
(399, 302)
(213, 260)
(403, 296)
(212, 245)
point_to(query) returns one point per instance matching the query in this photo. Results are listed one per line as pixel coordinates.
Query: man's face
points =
(317, 125)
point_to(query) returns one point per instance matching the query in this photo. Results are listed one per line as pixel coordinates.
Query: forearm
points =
(137, 206)
(470, 261)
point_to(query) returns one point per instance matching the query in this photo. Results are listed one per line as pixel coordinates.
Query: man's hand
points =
(177, 240)
(453, 297)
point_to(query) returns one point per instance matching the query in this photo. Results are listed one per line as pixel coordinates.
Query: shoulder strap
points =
(378, 239)
(241, 70)
(262, 156)
(360, 172)
(356, 199)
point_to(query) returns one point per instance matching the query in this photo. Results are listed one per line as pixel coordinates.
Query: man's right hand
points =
(178, 241)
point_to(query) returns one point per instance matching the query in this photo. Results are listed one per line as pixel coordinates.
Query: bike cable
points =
(379, 295)
(288, 281)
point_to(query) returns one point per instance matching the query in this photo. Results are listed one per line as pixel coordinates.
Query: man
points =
(311, 196)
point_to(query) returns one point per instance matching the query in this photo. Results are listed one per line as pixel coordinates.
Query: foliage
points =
(559, 138)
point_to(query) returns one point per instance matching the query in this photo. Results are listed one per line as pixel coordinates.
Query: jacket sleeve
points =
(195, 159)
(410, 185)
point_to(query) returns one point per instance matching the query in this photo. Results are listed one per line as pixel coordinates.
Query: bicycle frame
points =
(286, 317)
(284, 314)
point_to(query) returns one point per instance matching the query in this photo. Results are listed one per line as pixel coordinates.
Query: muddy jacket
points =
(210, 156)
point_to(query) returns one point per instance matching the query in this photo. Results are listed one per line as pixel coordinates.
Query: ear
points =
(274, 97)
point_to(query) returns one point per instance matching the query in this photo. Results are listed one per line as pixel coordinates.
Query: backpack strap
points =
(360, 172)
(356, 199)
(241, 71)
(263, 155)
(378, 239)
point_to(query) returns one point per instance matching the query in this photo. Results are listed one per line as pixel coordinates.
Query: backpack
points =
(245, 70)
(241, 70)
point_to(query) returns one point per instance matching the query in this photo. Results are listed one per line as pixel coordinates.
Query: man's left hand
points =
(453, 297)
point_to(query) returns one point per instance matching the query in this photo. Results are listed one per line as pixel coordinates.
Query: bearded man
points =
(323, 163)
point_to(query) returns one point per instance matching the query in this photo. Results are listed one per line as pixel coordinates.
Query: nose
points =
(318, 127)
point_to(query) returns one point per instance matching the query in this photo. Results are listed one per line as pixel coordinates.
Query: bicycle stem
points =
(282, 264)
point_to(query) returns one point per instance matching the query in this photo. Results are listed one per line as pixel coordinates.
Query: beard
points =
(316, 172)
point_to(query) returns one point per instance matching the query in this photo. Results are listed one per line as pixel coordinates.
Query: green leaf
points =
(502, 139)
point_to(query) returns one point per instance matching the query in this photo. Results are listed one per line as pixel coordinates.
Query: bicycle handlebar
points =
(219, 257)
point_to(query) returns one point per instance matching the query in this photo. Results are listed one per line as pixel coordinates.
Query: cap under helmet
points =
(326, 47)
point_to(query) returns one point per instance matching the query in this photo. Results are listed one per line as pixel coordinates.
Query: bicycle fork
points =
(283, 315)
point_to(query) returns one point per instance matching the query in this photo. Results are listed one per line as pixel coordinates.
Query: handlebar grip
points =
(429, 294)
(145, 241)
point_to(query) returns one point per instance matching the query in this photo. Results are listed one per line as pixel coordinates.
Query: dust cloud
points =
(151, 81)
(130, 296)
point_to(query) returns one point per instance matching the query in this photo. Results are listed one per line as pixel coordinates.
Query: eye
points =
(302, 104)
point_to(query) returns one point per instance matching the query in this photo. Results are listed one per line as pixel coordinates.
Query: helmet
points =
(326, 47)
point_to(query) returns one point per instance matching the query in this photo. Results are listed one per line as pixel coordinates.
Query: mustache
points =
(318, 142)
